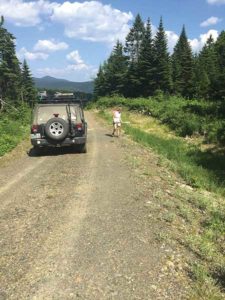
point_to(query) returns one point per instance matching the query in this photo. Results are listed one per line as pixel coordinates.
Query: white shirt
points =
(117, 117)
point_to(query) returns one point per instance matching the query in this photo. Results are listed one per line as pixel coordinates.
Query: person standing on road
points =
(117, 122)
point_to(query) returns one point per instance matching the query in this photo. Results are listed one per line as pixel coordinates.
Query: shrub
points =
(13, 128)
(186, 117)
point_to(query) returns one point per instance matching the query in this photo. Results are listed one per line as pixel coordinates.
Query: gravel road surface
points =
(73, 226)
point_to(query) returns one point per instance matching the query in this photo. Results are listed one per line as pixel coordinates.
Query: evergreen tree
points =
(146, 62)
(162, 66)
(219, 82)
(9, 66)
(206, 69)
(134, 39)
(132, 50)
(182, 62)
(201, 82)
(100, 82)
(116, 70)
(28, 92)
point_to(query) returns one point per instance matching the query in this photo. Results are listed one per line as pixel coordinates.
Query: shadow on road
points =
(33, 152)
(109, 135)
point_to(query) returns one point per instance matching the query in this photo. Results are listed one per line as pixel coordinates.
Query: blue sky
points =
(69, 39)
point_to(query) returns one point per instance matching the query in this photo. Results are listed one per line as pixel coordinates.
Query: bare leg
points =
(114, 129)
(119, 131)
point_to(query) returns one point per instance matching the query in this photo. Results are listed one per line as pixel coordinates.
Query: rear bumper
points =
(66, 142)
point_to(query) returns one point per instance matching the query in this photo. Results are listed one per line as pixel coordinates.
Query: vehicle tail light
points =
(79, 126)
(34, 128)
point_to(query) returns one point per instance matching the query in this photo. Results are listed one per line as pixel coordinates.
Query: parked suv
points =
(59, 122)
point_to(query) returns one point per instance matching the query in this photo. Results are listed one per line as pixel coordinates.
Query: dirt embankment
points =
(89, 226)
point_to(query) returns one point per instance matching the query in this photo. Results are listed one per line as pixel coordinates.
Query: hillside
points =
(48, 82)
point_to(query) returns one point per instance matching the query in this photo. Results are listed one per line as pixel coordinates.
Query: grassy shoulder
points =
(185, 117)
(202, 210)
(14, 127)
(198, 167)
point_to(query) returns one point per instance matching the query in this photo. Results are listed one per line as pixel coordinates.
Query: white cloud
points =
(172, 39)
(88, 20)
(78, 70)
(25, 54)
(75, 56)
(70, 72)
(25, 13)
(50, 46)
(78, 63)
(93, 21)
(210, 21)
(197, 44)
(216, 1)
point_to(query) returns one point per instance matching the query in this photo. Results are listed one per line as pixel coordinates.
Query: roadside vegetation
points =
(201, 164)
(14, 127)
(186, 118)
(202, 208)
(17, 93)
(175, 103)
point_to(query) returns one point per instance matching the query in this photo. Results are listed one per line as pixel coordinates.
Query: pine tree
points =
(206, 69)
(132, 50)
(201, 82)
(219, 82)
(182, 62)
(9, 66)
(134, 39)
(116, 70)
(146, 62)
(100, 82)
(28, 92)
(162, 66)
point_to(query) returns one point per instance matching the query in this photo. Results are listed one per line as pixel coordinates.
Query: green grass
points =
(14, 127)
(198, 168)
(204, 213)
(186, 117)
(205, 287)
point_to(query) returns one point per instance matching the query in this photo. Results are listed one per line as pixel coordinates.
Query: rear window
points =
(46, 112)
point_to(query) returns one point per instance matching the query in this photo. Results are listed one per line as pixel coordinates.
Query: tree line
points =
(16, 83)
(143, 66)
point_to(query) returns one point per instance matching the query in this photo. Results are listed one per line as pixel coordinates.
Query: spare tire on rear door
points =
(56, 129)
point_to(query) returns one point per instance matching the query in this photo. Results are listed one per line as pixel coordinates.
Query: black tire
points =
(56, 129)
(82, 148)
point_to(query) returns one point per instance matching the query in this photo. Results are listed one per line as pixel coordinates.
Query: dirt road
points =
(75, 226)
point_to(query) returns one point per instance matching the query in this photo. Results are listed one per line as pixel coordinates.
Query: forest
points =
(16, 84)
(143, 66)
(17, 93)
(183, 89)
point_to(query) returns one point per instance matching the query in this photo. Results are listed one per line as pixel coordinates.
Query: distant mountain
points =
(49, 82)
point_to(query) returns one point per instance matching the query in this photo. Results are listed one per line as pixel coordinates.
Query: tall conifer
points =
(134, 39)
(9, 66)
(100, 85)
(182, 62)
(117, 70)
(28, 92)
(132, 51)
(219, 83)
(162, 75)
(206, 69)
(146, 62)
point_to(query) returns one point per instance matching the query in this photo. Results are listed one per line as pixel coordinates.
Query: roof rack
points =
(58, 100)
